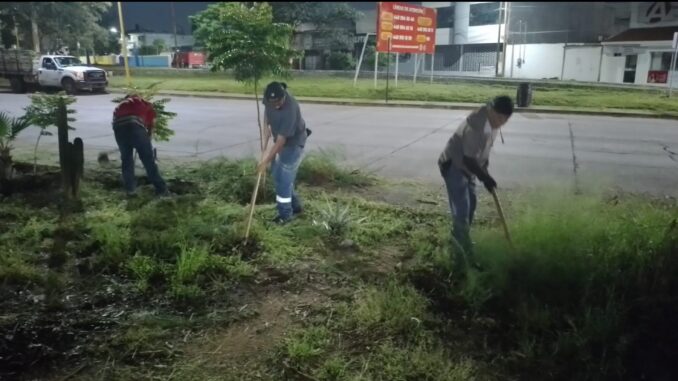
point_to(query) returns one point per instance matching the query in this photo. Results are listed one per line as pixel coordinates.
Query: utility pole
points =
(174, 24)
(496, 66)
(507, 27)
(123, 49)
(34, 29)
(16, 32)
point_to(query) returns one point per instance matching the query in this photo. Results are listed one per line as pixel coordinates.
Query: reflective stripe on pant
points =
(284, 170)
(461, 192)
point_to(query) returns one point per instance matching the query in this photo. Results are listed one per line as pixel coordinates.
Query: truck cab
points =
(69, 73)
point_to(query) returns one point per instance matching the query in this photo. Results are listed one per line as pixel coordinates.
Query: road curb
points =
(439, 106)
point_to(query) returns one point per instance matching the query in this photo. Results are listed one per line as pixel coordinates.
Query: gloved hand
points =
(490, 184)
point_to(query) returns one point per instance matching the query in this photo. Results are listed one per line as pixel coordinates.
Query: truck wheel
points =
(18, 85)
(69, 85)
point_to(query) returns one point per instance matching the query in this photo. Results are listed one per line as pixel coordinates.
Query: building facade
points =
(614, 42)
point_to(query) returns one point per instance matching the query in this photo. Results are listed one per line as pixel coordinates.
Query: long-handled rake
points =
(254, 196)
(502, 217)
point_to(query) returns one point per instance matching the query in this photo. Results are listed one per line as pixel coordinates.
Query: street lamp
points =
(114, 29)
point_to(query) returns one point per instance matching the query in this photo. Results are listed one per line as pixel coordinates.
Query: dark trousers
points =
(132, 137)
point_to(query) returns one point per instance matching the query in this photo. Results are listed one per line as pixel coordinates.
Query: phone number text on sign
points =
(408, 28)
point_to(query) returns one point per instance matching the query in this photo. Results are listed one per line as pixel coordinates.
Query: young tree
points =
(42, 112)
(245, 38)
(159, 45)
(162, 132)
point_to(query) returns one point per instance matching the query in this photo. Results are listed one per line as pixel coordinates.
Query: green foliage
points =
(422, 361)
(340, 61)
(42, 111)
(159, 45)
(148, 50)
(72, 22)
(144, 269)
(10, 127)
(463, 91)
(197, 266)
(570, 287)
(307, 345)
(371, 55)
(392, 309)
(110, 229)
(14, 269)
(322, 169)
(336, 220)
(245, 39)
(161, 130)
(320, 14)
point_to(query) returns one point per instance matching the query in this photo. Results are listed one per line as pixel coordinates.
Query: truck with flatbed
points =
(24, 70)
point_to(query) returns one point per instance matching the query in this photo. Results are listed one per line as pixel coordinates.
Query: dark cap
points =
(503, 105)
(274, 90)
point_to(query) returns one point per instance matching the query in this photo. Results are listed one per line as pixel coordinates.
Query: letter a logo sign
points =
(657, 11)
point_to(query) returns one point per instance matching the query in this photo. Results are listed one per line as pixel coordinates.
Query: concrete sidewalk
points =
(429, 104)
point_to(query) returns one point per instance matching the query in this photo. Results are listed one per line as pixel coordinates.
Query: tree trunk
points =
(34, 28)
(64, 149)
(261, 128)
(16, 32)
(5, 166)
(261, 131)
(35, 153)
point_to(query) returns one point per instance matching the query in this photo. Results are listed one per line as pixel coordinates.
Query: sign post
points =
(406, 28)
(360, 61)
(672, 69)
(376, 66)
(416, 67)
(396, 73)
(433, 57)
(388, 67)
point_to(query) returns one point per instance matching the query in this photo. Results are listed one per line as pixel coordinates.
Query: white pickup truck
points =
(54, 71)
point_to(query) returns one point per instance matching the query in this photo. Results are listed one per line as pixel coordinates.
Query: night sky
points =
(157, 16)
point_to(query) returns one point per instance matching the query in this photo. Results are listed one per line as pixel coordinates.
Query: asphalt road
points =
(637, 155)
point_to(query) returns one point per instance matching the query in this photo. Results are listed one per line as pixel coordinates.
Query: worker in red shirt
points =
(133, 122)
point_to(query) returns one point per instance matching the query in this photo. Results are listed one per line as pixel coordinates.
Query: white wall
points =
(483, 34)
(612, 70)
(581, 63)
(642, 67)
(541, 61)
(444, 36)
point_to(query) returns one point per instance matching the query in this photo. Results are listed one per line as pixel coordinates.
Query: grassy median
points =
(547, 94)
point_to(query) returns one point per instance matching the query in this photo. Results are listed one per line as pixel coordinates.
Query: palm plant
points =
(10, 127)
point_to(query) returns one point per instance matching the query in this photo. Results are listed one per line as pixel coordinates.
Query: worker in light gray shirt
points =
(466, 156)
(283, 120)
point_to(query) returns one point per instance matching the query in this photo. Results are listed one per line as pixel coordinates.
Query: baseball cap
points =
(274, 90)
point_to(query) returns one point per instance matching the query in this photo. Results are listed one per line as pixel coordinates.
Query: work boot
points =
(281, 221)
(298, 211)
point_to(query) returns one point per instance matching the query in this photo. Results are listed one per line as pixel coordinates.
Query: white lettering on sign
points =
(397, 7)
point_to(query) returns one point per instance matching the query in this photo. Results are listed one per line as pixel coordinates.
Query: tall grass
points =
(581, 275)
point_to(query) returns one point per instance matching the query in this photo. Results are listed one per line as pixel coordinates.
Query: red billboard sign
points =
(410, 28)
(657, 76)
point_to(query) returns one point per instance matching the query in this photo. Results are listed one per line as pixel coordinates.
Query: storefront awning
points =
(656, 35)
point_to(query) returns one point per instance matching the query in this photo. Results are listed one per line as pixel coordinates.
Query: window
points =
(484, 14)
(68, 61)
(445, 18)
(661, 61)
(47, 63)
